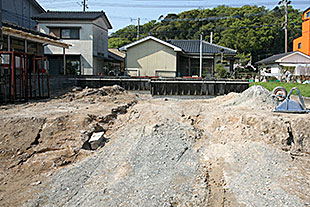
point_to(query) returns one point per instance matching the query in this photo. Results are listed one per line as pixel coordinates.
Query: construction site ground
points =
(228, 150)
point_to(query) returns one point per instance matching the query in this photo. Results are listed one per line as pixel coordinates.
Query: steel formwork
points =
(23, 77)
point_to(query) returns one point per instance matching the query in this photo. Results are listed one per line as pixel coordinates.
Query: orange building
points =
(302, 43)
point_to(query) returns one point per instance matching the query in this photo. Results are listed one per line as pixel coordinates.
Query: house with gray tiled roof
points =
(86, 32)
(151, 56)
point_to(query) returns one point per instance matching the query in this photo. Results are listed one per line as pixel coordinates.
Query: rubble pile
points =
(93, 137)
(93, 95)
(256, 96)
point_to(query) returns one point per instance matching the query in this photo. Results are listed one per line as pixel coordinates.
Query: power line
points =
(17, 16)
(217, 18)
(224, 28)
(83, 4)
(171, 6)
(278, 26)
(171, 0)
(152, 6)
(130, 18)
(286, 3)
(219, 29)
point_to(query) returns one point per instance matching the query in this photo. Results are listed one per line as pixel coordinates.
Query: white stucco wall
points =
(151, 58)
(83, 46)
(93, 42)
(275, 68)
(295, 59)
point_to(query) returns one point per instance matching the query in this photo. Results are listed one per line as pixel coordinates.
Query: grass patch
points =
(304, 88)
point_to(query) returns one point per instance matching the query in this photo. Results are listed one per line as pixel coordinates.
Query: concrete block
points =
(96, 139)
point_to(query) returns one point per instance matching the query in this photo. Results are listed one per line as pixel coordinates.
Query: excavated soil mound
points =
(36, 138)
(93, 94)
(228, 151)
(256, 97)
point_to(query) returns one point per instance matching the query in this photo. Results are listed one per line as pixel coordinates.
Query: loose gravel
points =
(256, 96)
(155, 167)
(254, 171)
(172, 152)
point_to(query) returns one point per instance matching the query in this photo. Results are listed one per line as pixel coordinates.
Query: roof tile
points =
(272, 59)
(193, 46)
(72, 15)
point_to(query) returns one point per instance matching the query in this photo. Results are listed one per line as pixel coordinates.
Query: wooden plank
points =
(26, 77)
(34, 78)
(12, 77)
(47, 79)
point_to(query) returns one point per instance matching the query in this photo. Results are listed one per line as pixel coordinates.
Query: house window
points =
(299, 45)
(65, 33)
(73, 64)
(308, 14)
(55, 32)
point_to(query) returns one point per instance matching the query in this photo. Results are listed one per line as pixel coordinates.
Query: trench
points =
(108, 119)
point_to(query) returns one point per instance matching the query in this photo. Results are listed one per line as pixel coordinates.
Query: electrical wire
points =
(217, 18)
(18, 16)
(61, 4)
(218, 29)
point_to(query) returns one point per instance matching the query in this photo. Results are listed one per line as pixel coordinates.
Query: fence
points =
(23, 77)
(163, 86)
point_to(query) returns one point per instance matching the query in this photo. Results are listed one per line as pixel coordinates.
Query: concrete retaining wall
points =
(59, 83)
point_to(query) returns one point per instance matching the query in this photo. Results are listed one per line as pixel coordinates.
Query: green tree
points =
(220, 71)
(251, 30)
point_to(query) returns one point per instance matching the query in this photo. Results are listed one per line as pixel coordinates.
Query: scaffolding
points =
(23, 77)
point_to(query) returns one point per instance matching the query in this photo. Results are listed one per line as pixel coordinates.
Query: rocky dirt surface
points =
(38, 138)
(159, 151)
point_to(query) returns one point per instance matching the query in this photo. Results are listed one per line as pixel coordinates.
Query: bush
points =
(220, 71)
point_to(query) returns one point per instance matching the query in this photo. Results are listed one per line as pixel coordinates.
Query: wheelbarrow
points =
(288, 105)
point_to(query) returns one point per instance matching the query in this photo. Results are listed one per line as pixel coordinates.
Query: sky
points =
(122, 13)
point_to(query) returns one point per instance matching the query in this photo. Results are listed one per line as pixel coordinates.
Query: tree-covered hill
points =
(251, 30)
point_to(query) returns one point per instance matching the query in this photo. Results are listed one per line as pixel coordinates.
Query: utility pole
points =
(211, 37)
(286, 3)
(286, 21)
(138, 29)
(84, 4)
(200, 57)
(1, 26)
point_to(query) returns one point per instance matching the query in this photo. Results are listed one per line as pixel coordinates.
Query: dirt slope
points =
(227, 151)
(40, 137)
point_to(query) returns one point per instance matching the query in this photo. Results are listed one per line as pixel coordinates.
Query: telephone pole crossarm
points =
(286, 3)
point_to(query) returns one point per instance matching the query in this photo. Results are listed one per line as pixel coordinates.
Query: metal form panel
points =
(162, 86)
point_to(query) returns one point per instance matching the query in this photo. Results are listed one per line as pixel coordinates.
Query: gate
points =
(23, 77)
